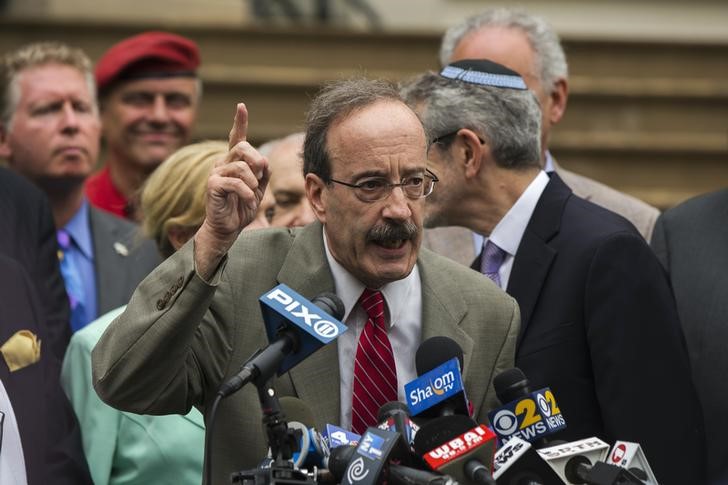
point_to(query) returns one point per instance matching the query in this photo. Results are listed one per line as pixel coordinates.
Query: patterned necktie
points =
(375, 375)
(72, 280)
(491, 261)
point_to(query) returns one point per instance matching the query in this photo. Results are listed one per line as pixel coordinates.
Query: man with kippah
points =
(598, 322)
(148, 92)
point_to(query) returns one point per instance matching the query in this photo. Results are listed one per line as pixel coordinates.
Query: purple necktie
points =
(491, 260)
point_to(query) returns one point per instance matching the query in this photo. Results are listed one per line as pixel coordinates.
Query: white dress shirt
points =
(403, 311)
(12, 462)
(508, 233)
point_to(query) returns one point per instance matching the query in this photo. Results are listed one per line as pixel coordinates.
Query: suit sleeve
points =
(169, 350)
(640, 361)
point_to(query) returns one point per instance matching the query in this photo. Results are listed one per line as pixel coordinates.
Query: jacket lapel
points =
(110, 278)
(443, 308)
(306, 270)
(535, 256)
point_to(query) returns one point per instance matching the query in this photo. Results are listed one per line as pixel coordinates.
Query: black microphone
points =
(457, 446)
(422, 396)
(580, 470)
(295, 332)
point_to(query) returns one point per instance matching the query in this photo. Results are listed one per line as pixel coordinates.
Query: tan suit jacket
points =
(180, 338)
(457, 242)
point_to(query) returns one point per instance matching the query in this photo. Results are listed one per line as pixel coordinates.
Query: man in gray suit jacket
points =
(50, 133)
(528, 45)
(691, 241)
(193, 322)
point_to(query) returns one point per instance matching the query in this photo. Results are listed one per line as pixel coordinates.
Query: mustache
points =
(393, 232)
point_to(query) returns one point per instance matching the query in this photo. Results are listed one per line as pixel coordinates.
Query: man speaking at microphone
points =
(196, 319)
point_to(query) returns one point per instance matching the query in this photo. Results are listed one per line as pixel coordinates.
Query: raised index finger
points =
(239, 131)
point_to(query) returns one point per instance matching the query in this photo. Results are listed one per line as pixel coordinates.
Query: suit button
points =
(161, 304)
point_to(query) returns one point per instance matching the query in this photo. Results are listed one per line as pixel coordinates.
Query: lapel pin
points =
(121, 249)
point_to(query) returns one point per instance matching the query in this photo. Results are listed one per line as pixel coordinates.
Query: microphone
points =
(518, 463)
(336, 436)
(368, 461)
(579, 471)
(629, 455)
(296, 328)
(404, 475)
(457, 446)
(528, 415)
(312, 448)
(395, 416)
(565, 459)
(438, 391)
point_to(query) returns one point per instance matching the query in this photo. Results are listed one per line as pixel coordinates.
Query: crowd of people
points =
(130, 285)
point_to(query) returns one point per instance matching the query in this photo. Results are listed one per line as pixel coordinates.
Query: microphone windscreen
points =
(339, 459)
(331, 304)
(436, 351)
(511, 384)
(296, 410)
(388, 409)
(440, 430)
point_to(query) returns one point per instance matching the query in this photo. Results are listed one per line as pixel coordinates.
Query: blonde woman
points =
(125, 448)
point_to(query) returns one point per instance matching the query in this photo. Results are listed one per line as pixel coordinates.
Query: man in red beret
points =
(148, 94)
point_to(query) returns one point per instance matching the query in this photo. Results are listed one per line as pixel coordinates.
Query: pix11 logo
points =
(528, 418)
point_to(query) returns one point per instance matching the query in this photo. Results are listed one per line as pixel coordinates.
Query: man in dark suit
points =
(27, 235)
(599, 325)
(193, 322)
(691, 241)
(46, 425)
(50, 133)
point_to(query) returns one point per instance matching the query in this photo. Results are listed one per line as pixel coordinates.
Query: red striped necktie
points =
(375, 375)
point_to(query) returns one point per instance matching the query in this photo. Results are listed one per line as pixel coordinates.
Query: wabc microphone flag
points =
(284, 308)
(529, 418)
(434, 387)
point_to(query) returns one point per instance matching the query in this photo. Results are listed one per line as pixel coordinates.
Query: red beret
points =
(147, 55)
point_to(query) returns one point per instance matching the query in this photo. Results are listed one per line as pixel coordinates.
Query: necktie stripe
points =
(371, 387)
(381, 353)
(385, 380)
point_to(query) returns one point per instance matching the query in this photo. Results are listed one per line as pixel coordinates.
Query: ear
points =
(472, 154)
(558, 97)
(315, 193)
(5, 151)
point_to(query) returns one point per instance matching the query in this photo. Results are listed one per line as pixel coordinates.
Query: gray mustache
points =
(393, 232)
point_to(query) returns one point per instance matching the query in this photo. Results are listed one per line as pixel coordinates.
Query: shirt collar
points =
(508, 233)
(79, 228)
(349, 289)
(548, 166)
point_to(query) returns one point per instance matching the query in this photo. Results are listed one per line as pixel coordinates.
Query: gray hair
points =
(38, 54)
(549, 55)
(336, 101)
(508, 119)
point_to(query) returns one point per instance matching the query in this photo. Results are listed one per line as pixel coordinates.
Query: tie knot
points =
(372, 302)
(493, 257)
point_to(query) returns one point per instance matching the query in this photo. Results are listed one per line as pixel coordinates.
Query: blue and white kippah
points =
(483, 73)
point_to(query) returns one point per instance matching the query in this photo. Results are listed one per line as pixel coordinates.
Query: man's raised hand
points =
(235, 189)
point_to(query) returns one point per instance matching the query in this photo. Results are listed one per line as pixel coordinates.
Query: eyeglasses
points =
(378, 188)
